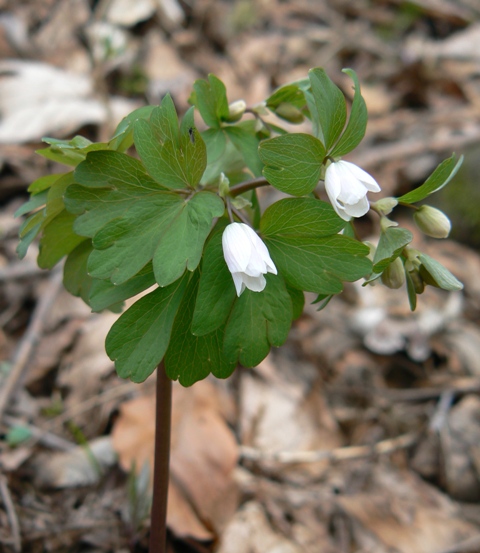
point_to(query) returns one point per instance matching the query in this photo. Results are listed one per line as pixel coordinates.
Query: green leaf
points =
(319, 264)
(442, 175)
(104, 294)
(435, 274)
(258, 321)
(182, 246)
(246, 142)
(132, 220)
(164, 121)
(287, 94)
(171, 165)
(35, 201)
(191, 358)
(293, 162)
(76, 279)
(211, 100)
(301, 235)
(123, 136)
(58, 240)
(298, 301)
(301, 217)
(357, 122)
(70, 152)
(43, 183)
(139, 339)
(28, 232)
(330, 107)
(215, 141)
(216, 292)
(390, 245)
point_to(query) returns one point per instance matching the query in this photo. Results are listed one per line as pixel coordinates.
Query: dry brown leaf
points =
(400, 512)
(250, 532)
(83, 465)
(285, 411)
(459, 440)
(203, 456)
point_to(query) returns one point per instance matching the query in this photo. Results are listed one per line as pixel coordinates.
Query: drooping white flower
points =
(247, 257)
(347, 186)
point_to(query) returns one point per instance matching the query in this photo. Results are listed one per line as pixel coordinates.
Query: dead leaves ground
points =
(362, 433)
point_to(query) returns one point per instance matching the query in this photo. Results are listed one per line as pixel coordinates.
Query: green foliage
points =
(146, 211)
(442, 175)
(391, 244)
(293, 162)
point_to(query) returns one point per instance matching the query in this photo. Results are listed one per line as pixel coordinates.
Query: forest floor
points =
(362, 433)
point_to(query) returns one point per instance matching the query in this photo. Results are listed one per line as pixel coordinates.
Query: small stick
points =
(12, 515)
(333, 455)
(30, 340)
(163, 416)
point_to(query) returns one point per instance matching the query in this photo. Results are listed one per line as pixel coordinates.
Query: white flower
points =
(347, 186)
(247, 257)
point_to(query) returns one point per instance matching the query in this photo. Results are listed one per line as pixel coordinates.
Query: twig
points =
(11, 514)
(40, 435)
(333, 455)
(90, 403)
(18, 270)
(30, 340)
(470, 545)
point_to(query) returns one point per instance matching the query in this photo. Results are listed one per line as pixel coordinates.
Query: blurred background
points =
(388, 401)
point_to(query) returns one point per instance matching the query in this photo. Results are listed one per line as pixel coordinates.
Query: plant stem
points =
(163, 415)
(242, 187)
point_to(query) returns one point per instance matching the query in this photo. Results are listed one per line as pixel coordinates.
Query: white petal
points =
(239, 283)
(333, 185)
(340, 210)
(369, 182)
(255, 284)
(236, 248)
(359, 209)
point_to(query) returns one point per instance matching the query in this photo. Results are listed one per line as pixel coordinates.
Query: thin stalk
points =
(242, 187)
(163, 416)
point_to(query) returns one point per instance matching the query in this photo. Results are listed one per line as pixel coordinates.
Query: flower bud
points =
(247, 257)
(432, 222)
(384, 206)
(394, 275)
(347, 186)
(289, 113)
(236, 110)
(417, 281)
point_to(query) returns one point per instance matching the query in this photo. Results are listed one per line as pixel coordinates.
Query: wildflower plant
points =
(173, 208)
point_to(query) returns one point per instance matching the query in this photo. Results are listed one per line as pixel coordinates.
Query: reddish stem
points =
(163, 416)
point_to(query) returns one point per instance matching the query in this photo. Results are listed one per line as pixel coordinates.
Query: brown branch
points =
(242, 187)
(11, 514)
(30, 340)
(349, 453)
